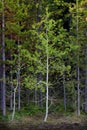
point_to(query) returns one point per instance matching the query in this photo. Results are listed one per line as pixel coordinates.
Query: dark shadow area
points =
(48, 126)
(4, 127)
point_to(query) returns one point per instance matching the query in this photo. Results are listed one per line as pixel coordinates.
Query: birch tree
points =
(50, 58)
(47, 69)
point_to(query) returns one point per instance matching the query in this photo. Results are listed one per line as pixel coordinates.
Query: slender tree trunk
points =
(0, 96)
(0, 85)
(47, 77)
(11, 96)
(18, 77)
(78, 112)
(0, 72)
(85, 106)
(3, 65)
(36, 96)
(14, 103)
(47, 90)
(78, 70)
(18, 72)
(40, 78)
(40, 99)
(27, 96)
(11, 101)
(64, 92)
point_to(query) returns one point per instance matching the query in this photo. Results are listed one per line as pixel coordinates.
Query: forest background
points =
(43, 59)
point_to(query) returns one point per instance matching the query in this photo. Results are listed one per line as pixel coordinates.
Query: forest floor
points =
(54, 122)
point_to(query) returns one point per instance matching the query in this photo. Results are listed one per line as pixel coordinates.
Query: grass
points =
(34, 115)
(38, 119)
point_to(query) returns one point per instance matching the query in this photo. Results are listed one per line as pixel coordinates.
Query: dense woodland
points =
(43, 57)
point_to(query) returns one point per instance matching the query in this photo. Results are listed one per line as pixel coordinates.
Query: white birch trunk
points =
(47, 77)
(14, 101)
